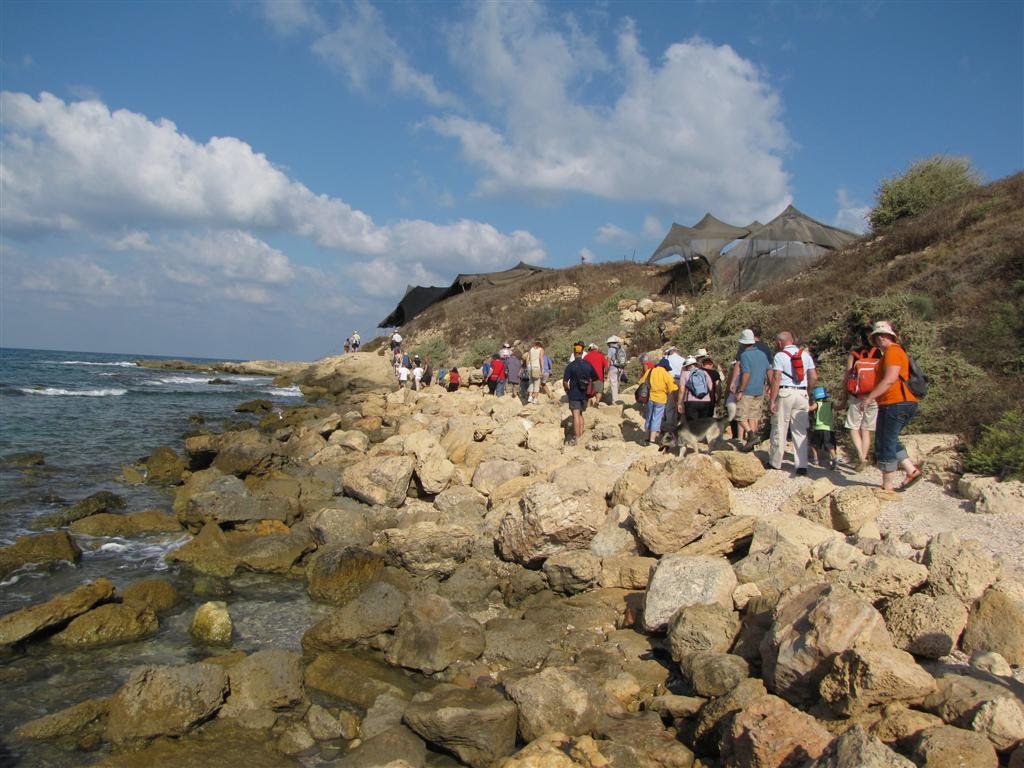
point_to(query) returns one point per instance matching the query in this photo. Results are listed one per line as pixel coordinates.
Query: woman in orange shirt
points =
(896, 407)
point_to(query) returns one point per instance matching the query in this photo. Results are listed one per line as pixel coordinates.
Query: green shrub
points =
(923, 185)
(478, 350)
(1000, 451)
(436, 349)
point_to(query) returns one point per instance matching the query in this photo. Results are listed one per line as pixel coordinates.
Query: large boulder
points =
(344, 523)
(881, 577)
(155, 593)
(261, 683)
(770, 733)
(22, 624)
(866, 677)
(492, 474)
(165, 701)
(228, 500)
(478, 725)
(557, 699)
(857, 749)
(39, 549)
(996, 622)
(376, 609)
(853, 508)
(360, 681)
(397, 747)
(433, 468)
(379, 479)
(572, 572)
(432, 635)
(713, 674)
(743, 469)
(101, 501)
(164, 466)
(926, 626)
(959, 567)
(243, 452)
(108, 624)
(65, 722)
(682, 580)
(684, 500)
(146, 521)
(702, 628)
(544, 522)
(428, 548)
(810, 627)
(338, 574)
(945, 746)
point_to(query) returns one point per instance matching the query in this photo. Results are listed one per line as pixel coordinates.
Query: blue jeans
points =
(655, 413)
(889, 452)
(499, 390)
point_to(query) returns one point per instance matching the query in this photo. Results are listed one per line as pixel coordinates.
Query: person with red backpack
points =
(496, 378)
(793, 376)
(862, 374)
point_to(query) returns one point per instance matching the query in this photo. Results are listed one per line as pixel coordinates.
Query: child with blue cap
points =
(823, 438)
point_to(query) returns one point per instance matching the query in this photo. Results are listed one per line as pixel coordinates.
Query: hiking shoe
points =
(834, 464)
(801, 472)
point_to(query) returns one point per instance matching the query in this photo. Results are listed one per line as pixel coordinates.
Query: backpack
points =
(863, 376)
(697, 385)
(620, 358)
(917, 382)
(643, 392)
(797, 361)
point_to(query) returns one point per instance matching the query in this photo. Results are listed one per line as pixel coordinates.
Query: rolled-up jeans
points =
(889, 451)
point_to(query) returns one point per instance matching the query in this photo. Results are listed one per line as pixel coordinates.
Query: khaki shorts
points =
(750, 407)
(861, 419)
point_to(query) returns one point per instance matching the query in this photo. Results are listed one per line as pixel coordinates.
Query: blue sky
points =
(258, 180)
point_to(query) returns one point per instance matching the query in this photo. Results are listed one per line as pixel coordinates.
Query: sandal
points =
(911, 480)
(884, 494)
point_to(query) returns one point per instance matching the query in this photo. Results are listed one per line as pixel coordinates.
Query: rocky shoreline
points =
(494, 597)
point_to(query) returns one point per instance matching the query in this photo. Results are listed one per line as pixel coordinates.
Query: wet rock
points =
(259, 406)
(243, 452)
(926, 626)
(339, 574)
(164, 466)
(165, 701)
(376, 609)
(296, 741)
(947, 747)
(102, 501)
(379, 479)
(857, 749)
(41, 548)
(682, 580)
(996, 622)
(681, 503)
(207, 553)
(562, 699)
(156, 593)
(262, 683)
(811, 626)
(771, 733)
(398, 747)
(957, 567)
(478, 725)
(22, 459)
(211, 624)
(357, 680)
(325, 726)
(110, 525)
(866, 677)
(432, 635)
(544, 522)
(228, 500)
(22, 624)
(66, 722)
(109, 624)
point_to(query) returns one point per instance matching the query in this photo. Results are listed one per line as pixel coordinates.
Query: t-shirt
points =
(536, 361)
(688, 396)
(783, 363)
(662, 384)
(417, 373)
(497, 371)
(403, 373)
(675, 362)
(513, 369)
(753, 360)
(578, 373)
(597, 359)
(899, 392)
(823, 417)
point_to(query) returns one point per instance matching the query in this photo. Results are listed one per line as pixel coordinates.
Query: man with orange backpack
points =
(862, 374)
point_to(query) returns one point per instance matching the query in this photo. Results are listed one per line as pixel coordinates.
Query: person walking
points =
(356, 340)
(792, 377)
(752, 366)
(496, 377)
(863, 366)
(513, 373)
(695, 386)
(823, 437)
(600, 363)
(616, 365)
(535, 369)
(662, 386)
(578, 375)
(396, 342)
(896, 407)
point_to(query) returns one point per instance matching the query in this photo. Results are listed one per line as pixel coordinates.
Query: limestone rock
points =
(865, 677)
(562, 699)
(714, 674)
(716, 715)
(702, 628)
(376, 609)
(926, 626)
(947, 747)
(682, 503)
(996, 622)
(228, 500)
(958, 567)
(857, 749)
(41, 548)
(519, 642)
(146, 521)
(211, 624)
(460, 497)
(164, 701)
(433, 468)
(428, 548)
(770, 733)
(397, 747)
(881, 577)
(264, 681)
(108, 624)
(838, 555)
(164, 466)
(432, 635)
(854, 507)
(543, 523)
(339, 573)
(22, 624)
(101, 501)
(343, 523)
(725, 536)
(478, 725)
(627, 571)
(245, 452)
(742, 469)
(617, 536)
(811, 626)
(572, 572)
(296, 741)
(490, 475)
(682, 580)
(772, 530)
(358, 680)
(379, 479)
(66, 722)
(1001, 498)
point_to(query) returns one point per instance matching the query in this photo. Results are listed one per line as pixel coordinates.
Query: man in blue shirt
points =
(753, 374)
(578, 375)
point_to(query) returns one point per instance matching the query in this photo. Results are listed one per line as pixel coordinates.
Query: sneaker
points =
(801, 472)
(834, 464)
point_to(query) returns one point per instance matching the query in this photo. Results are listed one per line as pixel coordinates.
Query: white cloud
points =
(653, 227)
(288, 17)
(79, 167)
(610, 233)
(701, 127)
(586, 256)
(80, 277)
(850, 215)
(361, 48)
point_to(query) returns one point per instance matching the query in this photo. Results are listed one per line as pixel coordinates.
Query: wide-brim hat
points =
(613, 340)
(591, 345)
(691, 360)
(882, 327)
(701, 353)
(747, 337)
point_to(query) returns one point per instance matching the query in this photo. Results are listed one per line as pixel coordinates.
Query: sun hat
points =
(691, 360)
(747, 337)
(592, 345)
(882, 327)
(670, 350)
(701, 353)
(819, 393)
(613, 340)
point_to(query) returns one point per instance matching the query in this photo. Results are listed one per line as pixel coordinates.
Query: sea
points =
(89, 414)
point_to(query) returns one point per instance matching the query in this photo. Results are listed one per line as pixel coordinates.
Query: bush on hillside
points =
(923, 185)
(1000, 451)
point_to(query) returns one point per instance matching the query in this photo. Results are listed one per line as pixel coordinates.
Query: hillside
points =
(951, 280)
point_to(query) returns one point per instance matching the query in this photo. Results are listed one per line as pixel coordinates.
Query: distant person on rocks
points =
(496, 378)
(404, 374)
(864, 369)
(597, 359)
(428, 372)
(545, 377)
(513, 373)
(896, 407)
(356, 341)
(417, 376)
(396, 342)
(793, 376)
(823, 437)
(454, 380)
(442, 374)
(348, 346)
(676, 364)
(535, 369)
(579, 374)
(708, 364)
(663, 385)
(751, 368)
(616, 365)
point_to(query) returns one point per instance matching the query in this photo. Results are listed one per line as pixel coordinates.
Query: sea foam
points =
(56, 392)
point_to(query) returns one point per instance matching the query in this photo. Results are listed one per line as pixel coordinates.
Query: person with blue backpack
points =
(697, 401)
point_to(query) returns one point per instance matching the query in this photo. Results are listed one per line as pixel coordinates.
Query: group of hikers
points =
(353, 342)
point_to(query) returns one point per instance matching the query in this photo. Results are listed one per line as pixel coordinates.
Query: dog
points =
(690, 434)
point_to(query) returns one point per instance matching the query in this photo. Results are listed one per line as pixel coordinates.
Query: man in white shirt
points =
(417, 375)
(788, 398)
(403, 377)
(396, 341)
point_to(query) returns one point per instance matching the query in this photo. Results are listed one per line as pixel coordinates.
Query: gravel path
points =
(926, 508)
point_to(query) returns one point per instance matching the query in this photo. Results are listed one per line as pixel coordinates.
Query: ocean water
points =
(89, 414)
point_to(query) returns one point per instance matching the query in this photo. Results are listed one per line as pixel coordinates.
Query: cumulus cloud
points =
(610, 233)
(699, 127)
(80, 278)
(850, 215)
(79, 167)
(653, 227)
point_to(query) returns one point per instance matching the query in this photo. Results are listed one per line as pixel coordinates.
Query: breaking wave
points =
(57, 392)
